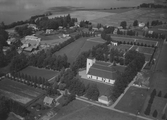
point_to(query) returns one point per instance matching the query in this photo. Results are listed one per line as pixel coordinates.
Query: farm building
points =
(33, 38)
(104, 100)
(102, 71)
(48, 101)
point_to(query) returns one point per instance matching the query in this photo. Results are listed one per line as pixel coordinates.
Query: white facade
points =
(89, 63)
(114, 43)
(106, 80)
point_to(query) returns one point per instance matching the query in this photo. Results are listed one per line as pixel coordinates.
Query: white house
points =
(114, 43)
(104, 100)
(48, 101)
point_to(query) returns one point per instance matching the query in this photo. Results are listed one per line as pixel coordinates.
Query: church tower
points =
(89, 63)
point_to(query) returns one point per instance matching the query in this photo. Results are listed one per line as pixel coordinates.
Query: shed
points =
(104, 100)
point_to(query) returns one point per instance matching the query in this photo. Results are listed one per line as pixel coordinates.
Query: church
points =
(102, 71)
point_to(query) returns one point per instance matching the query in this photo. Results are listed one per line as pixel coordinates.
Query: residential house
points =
(48, 101)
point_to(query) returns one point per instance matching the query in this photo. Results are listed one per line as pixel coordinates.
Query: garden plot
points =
(18, 91)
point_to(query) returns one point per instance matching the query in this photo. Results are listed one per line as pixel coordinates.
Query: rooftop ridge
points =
(105, 70)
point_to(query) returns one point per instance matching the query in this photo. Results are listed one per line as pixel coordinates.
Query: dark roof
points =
(104, 68)
(103, 63)
(103, 73)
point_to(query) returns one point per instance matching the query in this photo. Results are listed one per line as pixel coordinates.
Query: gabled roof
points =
(48, 100)
(103, 97)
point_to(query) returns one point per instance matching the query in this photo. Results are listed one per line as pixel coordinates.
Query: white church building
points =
(102, 71)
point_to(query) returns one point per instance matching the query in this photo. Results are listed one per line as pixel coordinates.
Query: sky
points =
(13, 9)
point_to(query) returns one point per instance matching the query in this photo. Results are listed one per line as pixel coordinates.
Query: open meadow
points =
(91, 112)
(39, 72)
(70, 109)
(133, 100)
(75, 48)
(18, 91)
(85, 15)
(142, 15)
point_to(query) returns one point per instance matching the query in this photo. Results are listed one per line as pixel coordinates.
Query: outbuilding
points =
(104, 100)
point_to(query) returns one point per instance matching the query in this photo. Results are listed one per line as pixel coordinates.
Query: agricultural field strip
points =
(19, 91)
(16, 97)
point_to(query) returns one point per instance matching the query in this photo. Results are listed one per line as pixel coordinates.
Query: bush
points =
(148, 109)
(159, 94)
(155, 113)
(164, 117)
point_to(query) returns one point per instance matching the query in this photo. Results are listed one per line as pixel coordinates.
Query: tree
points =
(159, 94)
(148, 109)
(135, 23)
(155, 113)
(153, 93)
(165, 96)
(164, 116)
(123, 24)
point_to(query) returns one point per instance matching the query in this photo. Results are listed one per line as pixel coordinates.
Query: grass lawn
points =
(71, 108)
(74, 49)
(104, 89)
(133, 100)
(96, 113)
(39, 72)
(18, 91)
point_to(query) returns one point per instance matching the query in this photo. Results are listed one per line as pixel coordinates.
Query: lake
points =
(14, 10)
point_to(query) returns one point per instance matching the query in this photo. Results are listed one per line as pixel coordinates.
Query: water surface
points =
(14, 10)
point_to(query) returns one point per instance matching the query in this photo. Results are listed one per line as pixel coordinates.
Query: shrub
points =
(155, 113)
(159, 94)
(164, 117)
(148, 109)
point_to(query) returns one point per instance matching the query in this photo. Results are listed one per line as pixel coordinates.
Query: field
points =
(71, 108)
(18, 91)
(39, 72)
(158, 81)
(133, 100)
(89, 112)
(85, 15)
(142, 15)
(104, 89)
(74, 49)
